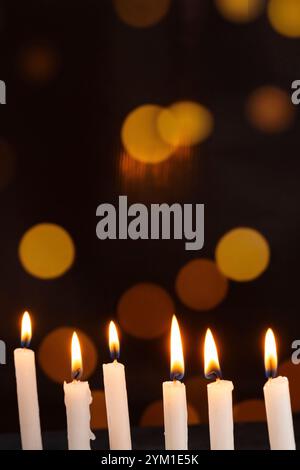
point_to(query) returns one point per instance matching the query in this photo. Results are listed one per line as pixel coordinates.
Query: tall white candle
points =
(116, 397)
(28, 405)
(77, 400)
(219, 400)
(277, 401)
(174, 397)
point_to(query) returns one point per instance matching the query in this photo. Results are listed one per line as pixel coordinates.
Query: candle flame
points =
(211, 360)
(177, 361)
(114, 343)
(76, 358)
(270, 354)
(26, 331)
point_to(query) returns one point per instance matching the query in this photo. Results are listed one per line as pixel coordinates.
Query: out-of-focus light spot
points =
(197, 387)
(145, 311)
(242, 254)
(141, 13)
(140, 135)
(54, 354)
(7, 164)
(240, 11)
(38, 62)
(46, 251)
(200, 285)
(284, 16)
(249, 411)
(270, 109)
(292, 372)
(98, 410)
(185, 123)
(153, 415)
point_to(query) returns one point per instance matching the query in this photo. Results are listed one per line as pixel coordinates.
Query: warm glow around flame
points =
(76, 358)
(26, 332)
(270, 354)
(114, 344)
(177, 361)
(211, 359)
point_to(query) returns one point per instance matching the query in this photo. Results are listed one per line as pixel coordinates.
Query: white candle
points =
(277, 401)
(77, 400)
(219, 400)
(174, 397)
(116, 397)
(29, 415)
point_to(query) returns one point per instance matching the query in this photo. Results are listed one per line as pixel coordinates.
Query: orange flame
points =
(76, 358)
(26, 330)
(114, 343)
(211, 359)
(177, 360)
(270, 354)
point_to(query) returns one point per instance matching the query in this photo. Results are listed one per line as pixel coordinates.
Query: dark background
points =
(65, 133)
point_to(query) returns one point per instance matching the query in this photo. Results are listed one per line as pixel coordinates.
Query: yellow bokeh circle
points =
(284, 16)
(141, 138)
(240, 11)
(185, 123)
(54, 354)
(242, 254)
(270, 109)
(141, 13)
(46, 251)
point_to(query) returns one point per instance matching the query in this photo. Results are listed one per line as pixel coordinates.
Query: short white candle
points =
(174, 397)
(219, 400)
(77, 400)
(116, 397)
(277, 401)
(28, 405)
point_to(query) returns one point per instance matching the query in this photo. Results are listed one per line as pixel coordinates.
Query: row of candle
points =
(78, 398)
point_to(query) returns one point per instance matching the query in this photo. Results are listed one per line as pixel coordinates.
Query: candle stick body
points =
(77, 400)
(279, 414)
(29, 415)
(220, 415)
(117, 406)
(175, 415)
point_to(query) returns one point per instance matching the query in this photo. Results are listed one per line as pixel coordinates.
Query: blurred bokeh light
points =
(98, 410)
(249, 411)
(200, 285)
(185, 123)
(38, 62)
(270, 109)
(46, 251)
(145, 310)
(240, 11)
(141, 13)
(242, 254)
(141, 138)
(284, 16)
